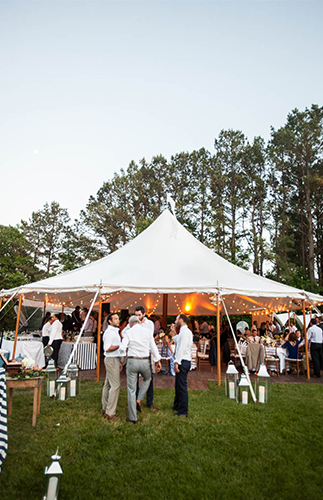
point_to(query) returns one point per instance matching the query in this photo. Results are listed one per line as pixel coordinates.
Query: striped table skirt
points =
(85, 355)
(3, 417)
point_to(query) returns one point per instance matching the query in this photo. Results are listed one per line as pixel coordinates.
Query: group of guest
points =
(134, 350)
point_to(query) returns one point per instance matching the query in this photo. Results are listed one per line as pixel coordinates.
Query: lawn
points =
(222, 450)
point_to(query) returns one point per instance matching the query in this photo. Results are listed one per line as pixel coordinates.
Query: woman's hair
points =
(292, 337)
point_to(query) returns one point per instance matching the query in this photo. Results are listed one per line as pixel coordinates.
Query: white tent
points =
(167, 259)
(167, 270)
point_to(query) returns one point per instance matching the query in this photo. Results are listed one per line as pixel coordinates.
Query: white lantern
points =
(51, 377)
(54, 473)
(243, 393)
(262, 385)
(63, 387)
(231, 381)
(73, 374)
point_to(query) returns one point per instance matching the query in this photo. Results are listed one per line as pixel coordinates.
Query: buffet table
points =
(32, 349)
(85, 355)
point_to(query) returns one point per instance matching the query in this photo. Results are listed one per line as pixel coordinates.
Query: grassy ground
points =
(223, 450)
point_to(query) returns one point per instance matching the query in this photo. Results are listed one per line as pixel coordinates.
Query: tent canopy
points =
(167, 259)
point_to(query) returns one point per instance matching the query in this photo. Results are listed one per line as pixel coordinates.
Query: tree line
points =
(257, 204)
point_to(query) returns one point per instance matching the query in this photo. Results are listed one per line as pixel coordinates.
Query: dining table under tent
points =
(167, 271)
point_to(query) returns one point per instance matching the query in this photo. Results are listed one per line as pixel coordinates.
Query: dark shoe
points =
(152, 407)
(110, 417)
(132, 421)
(103, 412)
(139, 407)
(175, 409)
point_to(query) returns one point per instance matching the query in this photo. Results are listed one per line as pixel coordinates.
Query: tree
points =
(229, 149)
(296, 151)
(17, 266)
(256, 203)
(45, 232)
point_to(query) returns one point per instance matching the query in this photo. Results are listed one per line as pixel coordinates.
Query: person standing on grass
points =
(315, 336)
(138, 342)
(184, 342)
(113, 366)
(55, 338)
(147, 323)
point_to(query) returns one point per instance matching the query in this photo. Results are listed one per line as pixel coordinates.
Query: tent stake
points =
(17, 327)
(306, 345)
(98, 343)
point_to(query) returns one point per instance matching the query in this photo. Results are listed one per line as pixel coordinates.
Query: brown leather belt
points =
(134, 357)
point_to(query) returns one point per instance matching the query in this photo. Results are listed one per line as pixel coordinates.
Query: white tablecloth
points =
(282, 354)
(28, 349)
(85, 355)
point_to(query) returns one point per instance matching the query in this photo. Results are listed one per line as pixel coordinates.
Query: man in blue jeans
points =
(183, 342)
(147, 323)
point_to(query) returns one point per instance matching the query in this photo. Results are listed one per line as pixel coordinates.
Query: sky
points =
(88, 86)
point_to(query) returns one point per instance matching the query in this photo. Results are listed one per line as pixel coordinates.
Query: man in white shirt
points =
(184, 342)
(139, 342)
(112, 363)
(55, 339)
(147, 323)
(315, 336)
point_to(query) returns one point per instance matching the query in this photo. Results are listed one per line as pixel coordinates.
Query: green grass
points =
(223, 450)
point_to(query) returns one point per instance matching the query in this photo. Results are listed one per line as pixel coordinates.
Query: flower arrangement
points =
(266, 340)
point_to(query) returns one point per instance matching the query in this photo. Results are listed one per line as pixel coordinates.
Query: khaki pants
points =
(111, 388)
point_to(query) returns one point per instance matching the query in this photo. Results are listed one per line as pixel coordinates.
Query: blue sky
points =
(88, 86)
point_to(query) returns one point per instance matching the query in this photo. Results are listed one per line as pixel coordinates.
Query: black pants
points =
(56, 347)
(45, 341)
(316, 353)
(181, 395)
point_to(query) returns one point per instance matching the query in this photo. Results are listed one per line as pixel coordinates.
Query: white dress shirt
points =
(315, 334)
(46, 329)
(139, 341)
(147, 323)
(111, 337)
(184, 344)
(56, 331)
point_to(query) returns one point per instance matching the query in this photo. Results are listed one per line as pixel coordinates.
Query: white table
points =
(85, 355)
(28, 349)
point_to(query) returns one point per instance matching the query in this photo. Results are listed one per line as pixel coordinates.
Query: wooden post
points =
(306, 345)
(165, 310)
(218, 338)
(0, 302)
(288, 319)
(98, 343)
(17, 327)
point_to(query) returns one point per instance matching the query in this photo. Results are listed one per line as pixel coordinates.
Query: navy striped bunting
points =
(3, 417)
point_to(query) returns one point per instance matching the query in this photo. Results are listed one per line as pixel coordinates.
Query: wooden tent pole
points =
(218, 338)
(306, 345)
(17, 327)
(165, 310)
(98, 343)
(0, 302)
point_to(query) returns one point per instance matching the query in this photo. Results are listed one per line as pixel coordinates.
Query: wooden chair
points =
(272, 360)
(202, 357)
(294, 364)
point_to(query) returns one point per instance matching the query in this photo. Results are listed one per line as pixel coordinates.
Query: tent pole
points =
(0, 302)
(17, 327)
(165, 310)
(306, 345)
(98, 343)
(218, 337)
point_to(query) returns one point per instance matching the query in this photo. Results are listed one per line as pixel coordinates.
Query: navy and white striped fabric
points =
(85, 355)
(3, 417)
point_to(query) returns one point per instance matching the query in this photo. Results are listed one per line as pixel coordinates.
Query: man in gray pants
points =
(111, 388)
(139, 342)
